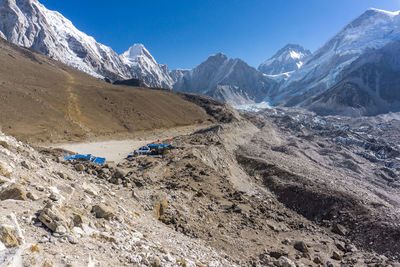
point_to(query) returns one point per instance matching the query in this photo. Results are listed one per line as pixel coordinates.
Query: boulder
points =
(52, 217)
(79, 167)
(14, 192)
(119, 173)
(339, 229)
(4, 144)
(301, 246)
(278, 253)
(160, 208)
(26, 165)
(7, 237)
(101, 211)
(5, 169)
(285, 262)
(336, 256)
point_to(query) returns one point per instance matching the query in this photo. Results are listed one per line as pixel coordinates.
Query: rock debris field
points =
(272, 188)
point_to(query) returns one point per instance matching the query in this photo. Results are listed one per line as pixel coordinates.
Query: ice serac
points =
(290, 58)
(30, 24)
(374, 29)
(225, 79)
(144, 67)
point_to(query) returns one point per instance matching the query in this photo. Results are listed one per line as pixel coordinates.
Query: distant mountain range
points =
(354, 73)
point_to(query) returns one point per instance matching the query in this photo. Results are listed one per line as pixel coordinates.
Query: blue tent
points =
(88, 157)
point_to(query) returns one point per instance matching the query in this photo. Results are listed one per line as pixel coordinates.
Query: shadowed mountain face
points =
(226, 79)
(326, 70)
(369, 86)
(43, 100)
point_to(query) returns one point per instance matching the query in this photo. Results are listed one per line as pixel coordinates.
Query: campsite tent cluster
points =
(155, 148)
(158, 148)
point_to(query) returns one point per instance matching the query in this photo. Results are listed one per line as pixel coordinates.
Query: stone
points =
(31, 196)
(285, 262)
(54, 197)
(51, 217)
(340, 246)
(7, 236)
(79, 167)
(339, 229)
(61, 230)
(160, 208)
(14, 192)
(277, 254)
(77, 220)
(5, 169)
(73, 240)
(101, 211)
(317, 260)
(119, 173)
(336, 256)
(4, 144)
(26, 165)
(62, 175)
(301, 246)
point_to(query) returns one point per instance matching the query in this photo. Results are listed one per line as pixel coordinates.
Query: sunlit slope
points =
(43, 100)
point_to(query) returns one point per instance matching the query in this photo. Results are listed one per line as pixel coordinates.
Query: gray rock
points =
(119, 173)
(52, 217)
(301, 246)
(26, 165)
(79, 167)
(14, 192)
(101, 211)
(339, 229)
(285, 262)
(336, 256)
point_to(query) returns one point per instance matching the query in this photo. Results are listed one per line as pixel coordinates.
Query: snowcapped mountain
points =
(368, 86)
(372, 30)
(144, 67)
(225, 79)
(290, 58)
(30, 24)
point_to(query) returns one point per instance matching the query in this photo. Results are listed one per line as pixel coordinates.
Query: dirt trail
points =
(74, 113)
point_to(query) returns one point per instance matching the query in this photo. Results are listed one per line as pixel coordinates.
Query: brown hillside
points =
(45, 101)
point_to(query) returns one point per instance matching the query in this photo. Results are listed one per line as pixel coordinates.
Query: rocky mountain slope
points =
(369, 86)
(43, 100)
(30, 24)
(372, 30)
(225, 79)
(290, 58)
(144, 67)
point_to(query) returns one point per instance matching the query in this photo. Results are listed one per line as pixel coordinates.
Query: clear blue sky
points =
(183, 33)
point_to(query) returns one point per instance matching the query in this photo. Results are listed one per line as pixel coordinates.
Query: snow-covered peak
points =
(29, 23)
(390, 13)
(371, 30)
(131, 56)
(288, 59)
(145, 68)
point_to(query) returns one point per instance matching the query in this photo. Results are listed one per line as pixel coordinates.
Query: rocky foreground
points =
(270, 189)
